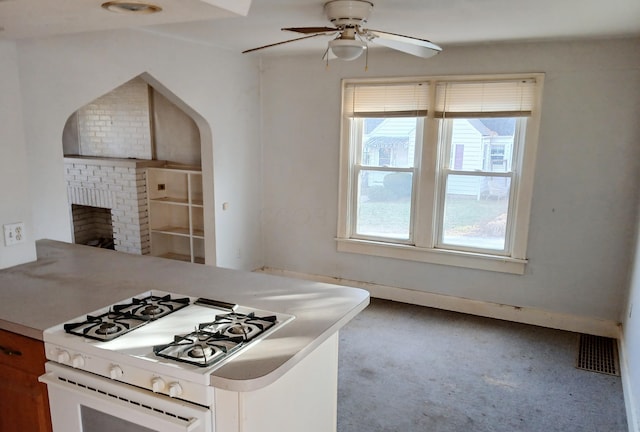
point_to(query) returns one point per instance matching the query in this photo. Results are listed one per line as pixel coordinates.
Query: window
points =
(439, 169)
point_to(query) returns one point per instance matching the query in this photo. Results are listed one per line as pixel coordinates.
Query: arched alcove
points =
(126, 153)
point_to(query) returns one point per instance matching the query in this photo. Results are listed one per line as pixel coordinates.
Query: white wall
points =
(175, 134)
(59, 75)
(14, 170)
(631, 342)
(584, 203)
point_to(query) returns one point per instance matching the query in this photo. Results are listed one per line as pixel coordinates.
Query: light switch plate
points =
(13, 233)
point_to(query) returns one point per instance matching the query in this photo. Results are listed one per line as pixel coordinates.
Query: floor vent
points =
(598, 354)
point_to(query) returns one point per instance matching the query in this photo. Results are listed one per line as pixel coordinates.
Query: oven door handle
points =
(52, 379)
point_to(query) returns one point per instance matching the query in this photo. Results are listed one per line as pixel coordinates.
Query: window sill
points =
(487, 262)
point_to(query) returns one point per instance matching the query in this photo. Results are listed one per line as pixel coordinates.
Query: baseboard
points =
(627, 388)
(525, 315)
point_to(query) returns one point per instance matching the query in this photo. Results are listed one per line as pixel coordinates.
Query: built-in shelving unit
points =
(176, 220)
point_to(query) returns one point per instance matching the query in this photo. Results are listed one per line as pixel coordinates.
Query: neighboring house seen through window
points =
(439, 169)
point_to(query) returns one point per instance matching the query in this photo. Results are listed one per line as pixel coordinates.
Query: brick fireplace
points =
(119, 186)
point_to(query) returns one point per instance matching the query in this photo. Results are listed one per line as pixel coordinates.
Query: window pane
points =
(482, 144)
(475, 211)
(384, 204)
(389, 142)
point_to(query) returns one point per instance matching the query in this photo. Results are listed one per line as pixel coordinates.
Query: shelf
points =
(171, 200)
(176, 256)
(176, 213)
(172, 230)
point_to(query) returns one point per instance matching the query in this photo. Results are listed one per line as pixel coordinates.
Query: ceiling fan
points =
(352, 38)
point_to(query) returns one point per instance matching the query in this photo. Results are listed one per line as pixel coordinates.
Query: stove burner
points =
(108, 328)
(239, 329)
(104, 327)
(151, 310)
(200, 351)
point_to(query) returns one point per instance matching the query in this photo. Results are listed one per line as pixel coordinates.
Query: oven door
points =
(83, 402)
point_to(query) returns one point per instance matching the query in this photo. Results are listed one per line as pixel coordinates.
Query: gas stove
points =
(157, 338)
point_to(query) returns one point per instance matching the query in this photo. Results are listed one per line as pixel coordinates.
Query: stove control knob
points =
(158, 384)
(62, 356)
(116, 372)
(77, 361)
(175, 389)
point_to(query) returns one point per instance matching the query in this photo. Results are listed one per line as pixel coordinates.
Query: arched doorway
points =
(133, 164)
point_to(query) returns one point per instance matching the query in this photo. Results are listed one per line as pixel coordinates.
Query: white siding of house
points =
(463, 133)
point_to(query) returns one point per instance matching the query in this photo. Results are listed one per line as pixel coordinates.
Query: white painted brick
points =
(105, 118)
(116, 188)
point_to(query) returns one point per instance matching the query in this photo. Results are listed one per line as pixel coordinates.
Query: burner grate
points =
(598, 354)
(199, 348)
(125, 317)
(104, 327)
(152, 307)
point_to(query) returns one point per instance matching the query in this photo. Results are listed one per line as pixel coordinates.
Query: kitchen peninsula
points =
(286, 381)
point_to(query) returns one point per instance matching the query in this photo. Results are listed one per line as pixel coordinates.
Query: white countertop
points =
(69, 280)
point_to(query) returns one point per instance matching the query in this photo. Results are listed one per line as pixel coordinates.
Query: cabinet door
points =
(24, 405)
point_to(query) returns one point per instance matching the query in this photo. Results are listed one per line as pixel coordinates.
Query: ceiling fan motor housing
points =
(348, 13)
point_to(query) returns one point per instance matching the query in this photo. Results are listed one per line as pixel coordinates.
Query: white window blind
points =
(386, 100)
(464, 99)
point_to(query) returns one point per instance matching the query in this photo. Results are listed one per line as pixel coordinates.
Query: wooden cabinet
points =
(176, 218)
(24, 404)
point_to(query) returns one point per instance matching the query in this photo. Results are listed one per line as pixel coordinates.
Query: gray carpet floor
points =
(410, 368)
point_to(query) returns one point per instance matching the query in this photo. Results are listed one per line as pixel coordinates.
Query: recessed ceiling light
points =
(131, 7)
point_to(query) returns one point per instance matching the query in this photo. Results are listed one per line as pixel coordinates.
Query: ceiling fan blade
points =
(283, 42)
(307, 30)
(410, 45)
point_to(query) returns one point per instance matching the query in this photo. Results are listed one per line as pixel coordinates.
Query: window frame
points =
(428, 184)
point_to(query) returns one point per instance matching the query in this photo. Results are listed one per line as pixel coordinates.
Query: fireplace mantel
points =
(120, 162)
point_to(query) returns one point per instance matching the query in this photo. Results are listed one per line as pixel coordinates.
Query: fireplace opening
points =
(92, 226)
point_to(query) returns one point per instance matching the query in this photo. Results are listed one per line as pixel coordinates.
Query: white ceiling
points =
(444, 22)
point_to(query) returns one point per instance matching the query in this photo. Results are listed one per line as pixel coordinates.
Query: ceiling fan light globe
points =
(346, 49)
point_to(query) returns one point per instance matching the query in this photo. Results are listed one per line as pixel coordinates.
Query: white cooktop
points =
(135, 348)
